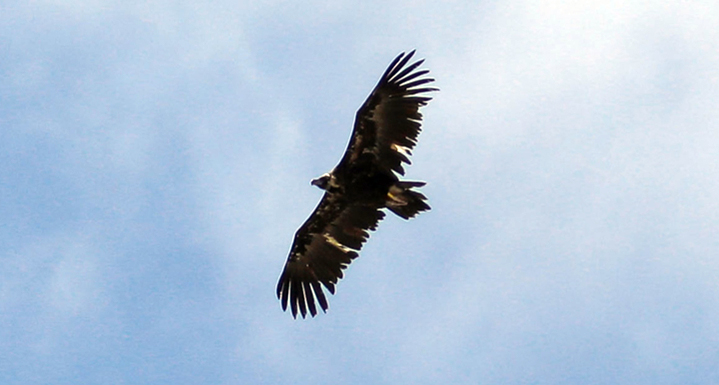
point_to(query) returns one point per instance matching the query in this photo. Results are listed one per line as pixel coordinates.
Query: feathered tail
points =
(404, 201)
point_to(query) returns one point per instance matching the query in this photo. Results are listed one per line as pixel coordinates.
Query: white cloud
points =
(51, 285)
(75, 284)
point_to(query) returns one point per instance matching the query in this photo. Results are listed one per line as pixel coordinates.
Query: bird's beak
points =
(321, 182)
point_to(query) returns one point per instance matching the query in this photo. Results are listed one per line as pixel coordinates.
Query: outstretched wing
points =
(324, 246)
(389, 121)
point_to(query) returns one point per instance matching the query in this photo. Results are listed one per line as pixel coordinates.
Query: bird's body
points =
(363, 183)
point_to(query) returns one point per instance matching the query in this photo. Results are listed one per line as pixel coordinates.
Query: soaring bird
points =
(363, 183)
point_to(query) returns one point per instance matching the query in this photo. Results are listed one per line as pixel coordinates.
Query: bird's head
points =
(322, 182)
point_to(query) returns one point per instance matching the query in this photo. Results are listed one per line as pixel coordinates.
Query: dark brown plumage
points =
(362, 184)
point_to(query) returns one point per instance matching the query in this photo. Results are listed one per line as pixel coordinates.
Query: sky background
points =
(155, 160)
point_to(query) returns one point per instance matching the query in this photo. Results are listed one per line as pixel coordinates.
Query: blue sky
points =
(155, 161)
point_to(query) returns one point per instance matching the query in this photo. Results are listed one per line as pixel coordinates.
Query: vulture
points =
(359, 188)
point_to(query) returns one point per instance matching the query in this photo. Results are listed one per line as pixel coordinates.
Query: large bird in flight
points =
(357, 190)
